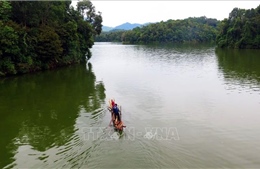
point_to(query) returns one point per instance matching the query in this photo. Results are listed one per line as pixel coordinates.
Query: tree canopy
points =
(37, 35)
(111, 36)
(240, 30)
(194, 30)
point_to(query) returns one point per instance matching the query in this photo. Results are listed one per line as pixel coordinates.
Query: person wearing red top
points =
(112, 103)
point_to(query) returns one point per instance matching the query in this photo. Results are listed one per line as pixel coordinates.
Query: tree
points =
(45, 34)
(5, 10)
(9, 49)
(240, 30)
(49, 47)
(191, 30)
(88, 11)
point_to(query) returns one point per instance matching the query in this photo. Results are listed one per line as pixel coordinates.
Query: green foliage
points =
(36, 35)
(7, 66)
(88, 11)
(112, 36)
(49, 47)
(5, 10)
(8, 41)
(191, 30)
(9, 50)
(240, 30)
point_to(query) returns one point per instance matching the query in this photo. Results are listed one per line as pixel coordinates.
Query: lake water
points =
(185, 106)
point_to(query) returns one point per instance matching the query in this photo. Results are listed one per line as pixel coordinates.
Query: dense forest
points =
(37, 35)
(111, 36)
(240, 30)
(194, 30)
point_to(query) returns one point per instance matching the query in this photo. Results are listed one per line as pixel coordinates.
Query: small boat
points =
(118, 125)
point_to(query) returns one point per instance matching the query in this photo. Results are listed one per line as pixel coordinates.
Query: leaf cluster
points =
(38, 35)
(240, 30)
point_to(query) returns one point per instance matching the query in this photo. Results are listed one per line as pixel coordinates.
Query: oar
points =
(110, 110)
(121, 115)
(120, 112)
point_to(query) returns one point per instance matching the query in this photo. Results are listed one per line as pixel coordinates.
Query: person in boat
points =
(116, 113)
(117, 122)
(112, 103)
(113, 111)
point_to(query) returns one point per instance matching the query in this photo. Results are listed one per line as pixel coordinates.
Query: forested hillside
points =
(37, 35)
(111, 36)
(194, 30)
(241, 29)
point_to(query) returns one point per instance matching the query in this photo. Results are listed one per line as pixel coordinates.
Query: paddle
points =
(110, 110)
(120, 112)
(121, 115)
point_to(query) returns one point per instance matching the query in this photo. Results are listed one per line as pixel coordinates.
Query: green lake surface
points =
(184, 106)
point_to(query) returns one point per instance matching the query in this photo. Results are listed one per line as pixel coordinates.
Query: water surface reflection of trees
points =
(240, 66)
(41, 109)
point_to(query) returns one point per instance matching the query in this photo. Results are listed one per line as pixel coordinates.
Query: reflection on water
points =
(240, 68)
(58, 119)
(39, 111)
(179, 86)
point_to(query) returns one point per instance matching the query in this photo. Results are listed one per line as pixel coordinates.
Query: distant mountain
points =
(127, 26)
(124, 26)
(106, 28)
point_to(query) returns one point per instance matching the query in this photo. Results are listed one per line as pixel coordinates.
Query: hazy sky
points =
(117, 12)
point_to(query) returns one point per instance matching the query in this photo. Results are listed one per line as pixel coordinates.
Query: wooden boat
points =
(118, 125)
